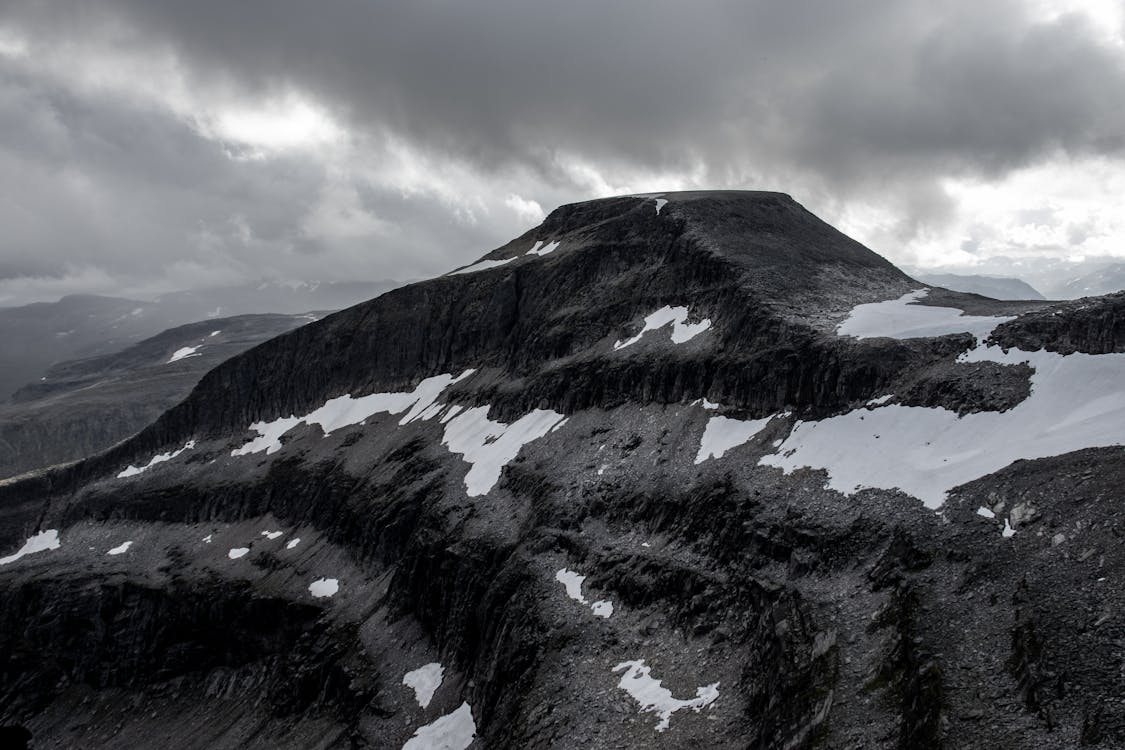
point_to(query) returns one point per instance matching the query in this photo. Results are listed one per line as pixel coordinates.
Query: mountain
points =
(42, 334)
(1104, 280)
(680, 470)
(84, 406)
(996, 287)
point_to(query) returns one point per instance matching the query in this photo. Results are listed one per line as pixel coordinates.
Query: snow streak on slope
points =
(1077, 401)
(540, 249)
(901, 319)
(453, 731)
(489, 446)
(184, 353)
(132, 471)
(681, 330)
(722, 434)
(41, 542)
(653, 697)
(345, 410)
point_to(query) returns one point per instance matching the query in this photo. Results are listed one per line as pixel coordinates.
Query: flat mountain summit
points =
(672, 470)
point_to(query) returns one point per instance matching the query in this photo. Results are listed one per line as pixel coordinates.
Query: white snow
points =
(540, 249)
(572, 582)
(237, 552)
(901, 319)
(293, 543)
(489, 446)
(271, 534)
(1077, 401)
(602, 608)
(120, 549)
(323, 587)
(132, 471)
(454, 731)
(424, 681)
(985, 512)
(215, 333)
(881, 400)
(41, 542)
(207, 538)
(184, 353)
(681, 330)
(1007, 531)
(480, 265)
(660, 203)
(655, 698)
(722, 434)
(345, 410)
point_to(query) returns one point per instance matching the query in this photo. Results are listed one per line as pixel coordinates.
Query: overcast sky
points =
(150, 145)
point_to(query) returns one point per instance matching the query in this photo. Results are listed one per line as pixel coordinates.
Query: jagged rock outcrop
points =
(544, 501)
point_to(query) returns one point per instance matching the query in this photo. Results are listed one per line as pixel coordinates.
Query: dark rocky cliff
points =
(860, 621)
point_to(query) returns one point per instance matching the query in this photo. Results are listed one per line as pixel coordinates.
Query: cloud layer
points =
(150, 145)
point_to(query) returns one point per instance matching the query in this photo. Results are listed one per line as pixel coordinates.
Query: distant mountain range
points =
(84, 406)
(996, 287)
(41, 334)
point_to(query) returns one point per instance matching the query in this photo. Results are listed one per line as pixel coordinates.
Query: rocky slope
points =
(683, 470)
(84, 406)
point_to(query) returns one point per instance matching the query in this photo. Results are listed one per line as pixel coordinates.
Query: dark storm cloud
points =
(662, 83)
(869, 101)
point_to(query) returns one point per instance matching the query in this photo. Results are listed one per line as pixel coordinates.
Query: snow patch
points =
(901, 319)
(184, 353)
(454, 731)
(207, 538)
(602, 609)
(572, 582)
(880, 400)
(344, 411)
(722, 434)
(323, 587)
(1077, 401)
(424, 681)
(489, 446)
(271, 534)
(41, 542)
(681, 330)
(985, 512)
(215, 333)
(132, 471)
(481, 265)
(293, 543)
(237, 552)
(660, 203)
(541, 249)
(120, 549)
(655, 698)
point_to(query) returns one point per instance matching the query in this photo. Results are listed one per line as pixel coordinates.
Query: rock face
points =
(560, 483)
(84, 406)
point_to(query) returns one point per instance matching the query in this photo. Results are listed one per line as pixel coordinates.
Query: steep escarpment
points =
(655, 474)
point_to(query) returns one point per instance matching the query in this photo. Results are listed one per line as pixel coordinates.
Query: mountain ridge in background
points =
(41, 334)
